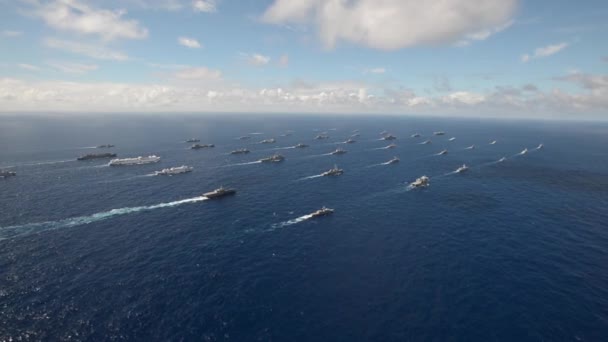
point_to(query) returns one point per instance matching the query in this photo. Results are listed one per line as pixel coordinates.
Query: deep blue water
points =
(511, 251)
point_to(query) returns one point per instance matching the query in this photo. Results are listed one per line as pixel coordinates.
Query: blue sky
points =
(483, 58)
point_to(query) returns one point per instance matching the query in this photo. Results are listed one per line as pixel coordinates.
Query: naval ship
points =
(463, 168)
(268, 141)
(439, 133)
(135, 161)
(273, 159)
(389, 137)
(338, 151)
(442, 153)
(421, 182)
(6, 174)
(415, 135)
(322, 212)
(174, 171)
(193, 140)
(393, 161)
(219, 193)
(335, 171)
(199, 146)
(105, 146)
(301, 145)
(96, 156)
(240, 151)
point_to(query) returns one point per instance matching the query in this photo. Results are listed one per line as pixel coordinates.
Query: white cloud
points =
(198, 73)
(78, 17)
(376, 71)
(395, 24)
(29, 67)
(256, 59)
(207, 6)
(11, 33)
(189, 42)
(203, 89)
(544, 51)
(73, 68)
(90, 50)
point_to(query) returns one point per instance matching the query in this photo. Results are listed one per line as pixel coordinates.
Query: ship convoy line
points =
(19, 230)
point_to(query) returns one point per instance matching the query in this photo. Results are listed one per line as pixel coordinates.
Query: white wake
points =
(14, 231)
(292, 222)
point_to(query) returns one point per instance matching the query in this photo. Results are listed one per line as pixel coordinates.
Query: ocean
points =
(507, 251)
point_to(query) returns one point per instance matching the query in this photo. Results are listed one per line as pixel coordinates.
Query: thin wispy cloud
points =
(377, 71)
(72, 68)
(544, 51)
(96, 51)
(28, 67)
(10, 33)
(189, 42)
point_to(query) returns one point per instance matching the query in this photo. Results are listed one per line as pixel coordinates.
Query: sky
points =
(494, 58)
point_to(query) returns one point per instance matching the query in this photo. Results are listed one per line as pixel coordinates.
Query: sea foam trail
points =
(292, 222)
(25, 229)
(241, 164)
(310, 177)
(50, 162)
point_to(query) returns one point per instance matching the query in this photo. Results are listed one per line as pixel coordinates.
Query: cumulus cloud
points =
(256, 59)
(395, 24)
(79, 17)
(207, 6)
(90, 50)
(544, 51)
(203, 89)
(189, 42)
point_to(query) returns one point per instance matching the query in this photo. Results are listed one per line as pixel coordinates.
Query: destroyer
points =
(193, 140)
(392, 161)
(174, 171)
(268, 141)
(335, 171)
(301, 146)
(439, 133)
(97, 156)
(105, 146)
(338, 151)
(321, 137)
(415, 135)
(199, 146)
(389, 137)
(273, 159)
(421, 182)
(240, 151)
(219, 193)
(135, 161)
(322, 212)
(461, 169)
(6, 174)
